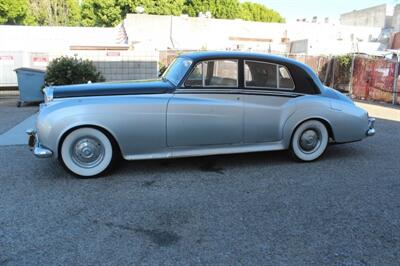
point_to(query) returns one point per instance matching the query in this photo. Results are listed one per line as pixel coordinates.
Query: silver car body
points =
(180, 122)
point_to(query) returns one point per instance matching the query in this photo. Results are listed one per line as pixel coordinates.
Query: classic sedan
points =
(205, 103)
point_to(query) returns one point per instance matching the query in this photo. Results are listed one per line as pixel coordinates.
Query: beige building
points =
(377, 16)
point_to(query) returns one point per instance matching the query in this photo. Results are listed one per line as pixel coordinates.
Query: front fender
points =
(137, 122)
(51, 126)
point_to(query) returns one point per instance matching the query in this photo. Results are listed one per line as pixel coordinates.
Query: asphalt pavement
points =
(248, 209)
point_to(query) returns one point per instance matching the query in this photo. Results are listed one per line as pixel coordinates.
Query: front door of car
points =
(207, 109)
(268, 89)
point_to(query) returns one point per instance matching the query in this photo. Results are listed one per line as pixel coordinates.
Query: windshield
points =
(177, 70)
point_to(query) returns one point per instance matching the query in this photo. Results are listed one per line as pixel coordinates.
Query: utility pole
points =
(395, 79)
(328, 69)
(351, 74)
(332, 85)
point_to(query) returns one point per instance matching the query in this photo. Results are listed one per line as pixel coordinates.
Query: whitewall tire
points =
(87, 152)
(310, 140)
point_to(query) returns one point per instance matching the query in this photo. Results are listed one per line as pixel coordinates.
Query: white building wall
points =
(53, 39)
(187, 33)
(35, 47)
(376, 16)
(396, 18)
(114, 65)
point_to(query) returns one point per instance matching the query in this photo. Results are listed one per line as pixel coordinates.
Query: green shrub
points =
(343, 70)
(345, 61)
(70, 70)
(339, 68)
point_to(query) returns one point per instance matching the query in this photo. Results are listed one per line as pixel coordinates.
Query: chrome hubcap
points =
(87, 152)
(309, 140)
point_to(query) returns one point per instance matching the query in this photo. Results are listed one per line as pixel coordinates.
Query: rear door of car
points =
(267, 89)
(207, 109)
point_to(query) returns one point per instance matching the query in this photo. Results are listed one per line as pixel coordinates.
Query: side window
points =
(195, 78)
(267, 75)
(221, 73)
(260, 74)
(285, 80)
(215, 73)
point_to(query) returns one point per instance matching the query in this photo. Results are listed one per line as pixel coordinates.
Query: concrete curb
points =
(379, 111)
(9, 93)
(16, 135)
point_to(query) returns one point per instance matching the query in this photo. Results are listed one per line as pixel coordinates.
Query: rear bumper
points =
(371, 127)
(35, 146)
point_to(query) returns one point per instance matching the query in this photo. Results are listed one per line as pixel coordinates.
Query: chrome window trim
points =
(239, 91)
(203, 77)
(277, 76)
(48, 94)
(171, 64)
(274, 92)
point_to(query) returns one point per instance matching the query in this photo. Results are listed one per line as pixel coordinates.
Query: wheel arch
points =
(326, 124)
(324, 121)
(103, 129)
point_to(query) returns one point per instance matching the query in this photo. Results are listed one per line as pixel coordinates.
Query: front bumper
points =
(371, 130)
(35, 146)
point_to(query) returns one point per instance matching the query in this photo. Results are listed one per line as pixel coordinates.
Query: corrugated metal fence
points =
(369, 78)
(375, 79)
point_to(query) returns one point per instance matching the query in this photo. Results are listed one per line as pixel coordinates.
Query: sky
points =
(293, 9)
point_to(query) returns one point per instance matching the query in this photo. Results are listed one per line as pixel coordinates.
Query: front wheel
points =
(310, 140)
(87, 152)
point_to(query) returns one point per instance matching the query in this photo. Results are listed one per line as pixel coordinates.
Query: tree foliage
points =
(100, 13)
(107, 13)
(228, 9)
(258, 12)
(160, 7)
(71, 70)
(15, 12)
(55, 12)
(231, 9)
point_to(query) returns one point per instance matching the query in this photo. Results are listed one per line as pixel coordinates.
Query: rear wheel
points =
(310, 140)
(87, 152)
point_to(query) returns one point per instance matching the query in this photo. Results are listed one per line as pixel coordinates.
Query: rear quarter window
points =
(264, 75)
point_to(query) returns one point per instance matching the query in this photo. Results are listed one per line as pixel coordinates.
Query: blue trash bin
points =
(30, 84)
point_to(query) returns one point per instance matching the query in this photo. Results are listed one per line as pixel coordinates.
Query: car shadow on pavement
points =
(221, 164)
(213, 164)
(218, 166)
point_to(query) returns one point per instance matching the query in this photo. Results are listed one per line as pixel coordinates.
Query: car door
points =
(207, 109)
(268, 88)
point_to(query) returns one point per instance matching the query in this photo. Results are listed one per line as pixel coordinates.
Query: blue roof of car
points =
(237, 54)
(204, 55)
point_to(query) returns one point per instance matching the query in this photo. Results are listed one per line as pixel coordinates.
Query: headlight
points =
(48, 94)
